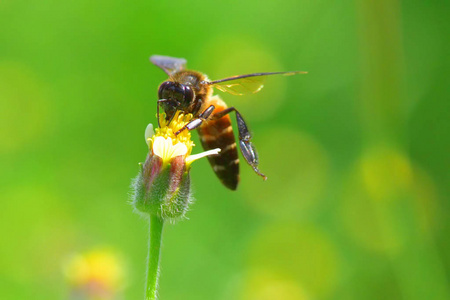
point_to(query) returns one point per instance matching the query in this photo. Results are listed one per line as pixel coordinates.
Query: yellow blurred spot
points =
(263, 285)
(386, 172)
(296, 167)
(24, 109)
(252, 57)
(97, 272)
(387, 201)
(297, 258)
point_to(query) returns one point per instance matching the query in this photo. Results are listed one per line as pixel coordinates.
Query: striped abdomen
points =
(219, 134)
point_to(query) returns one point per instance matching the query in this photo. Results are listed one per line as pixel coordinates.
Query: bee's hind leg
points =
(248, 150)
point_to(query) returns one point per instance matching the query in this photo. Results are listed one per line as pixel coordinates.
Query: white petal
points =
(166, 150)
(179, 149)
(159, 146)
(191, 158)
(149, 132)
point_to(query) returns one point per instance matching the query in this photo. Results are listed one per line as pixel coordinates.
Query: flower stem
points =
(154, 250)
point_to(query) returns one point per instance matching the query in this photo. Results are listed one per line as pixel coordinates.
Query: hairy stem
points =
(154, 250)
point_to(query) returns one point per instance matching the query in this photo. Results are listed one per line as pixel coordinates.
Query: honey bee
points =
(192, 92)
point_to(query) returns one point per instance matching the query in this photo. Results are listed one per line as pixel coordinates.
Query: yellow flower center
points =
(167, 145)
(169, 128)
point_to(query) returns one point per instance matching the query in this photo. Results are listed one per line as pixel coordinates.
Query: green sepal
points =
(167, 197)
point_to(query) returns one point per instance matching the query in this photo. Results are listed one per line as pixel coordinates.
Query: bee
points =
(192, 92)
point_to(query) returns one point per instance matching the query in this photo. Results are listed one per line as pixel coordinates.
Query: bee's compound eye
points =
(164, 88)
(188, 94)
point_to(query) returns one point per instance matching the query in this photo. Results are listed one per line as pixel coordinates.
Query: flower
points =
(162, 187)
(167, 145)
(95, 274)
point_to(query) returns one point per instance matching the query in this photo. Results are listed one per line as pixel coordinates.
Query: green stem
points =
(154, 250)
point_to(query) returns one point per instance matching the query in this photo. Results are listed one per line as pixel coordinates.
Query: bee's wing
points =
(246, 84)
(170, 65)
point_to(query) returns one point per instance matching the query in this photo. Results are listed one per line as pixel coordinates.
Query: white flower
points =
(165, 144)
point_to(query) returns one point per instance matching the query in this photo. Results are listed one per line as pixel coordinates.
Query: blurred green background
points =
(357, 151)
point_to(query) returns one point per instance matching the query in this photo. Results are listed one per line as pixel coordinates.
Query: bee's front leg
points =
(248, 150)
(198, 121)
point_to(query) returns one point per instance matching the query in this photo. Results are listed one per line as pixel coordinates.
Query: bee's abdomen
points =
(219, 134)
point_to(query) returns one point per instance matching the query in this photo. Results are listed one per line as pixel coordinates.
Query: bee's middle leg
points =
(199, 120)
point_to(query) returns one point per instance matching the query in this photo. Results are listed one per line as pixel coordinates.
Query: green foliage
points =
(356, 151)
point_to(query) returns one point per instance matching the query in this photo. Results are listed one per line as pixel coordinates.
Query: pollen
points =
(169, 128)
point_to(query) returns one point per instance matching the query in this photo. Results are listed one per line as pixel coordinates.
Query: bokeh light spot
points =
(296, 166)
(24, 107)
(385, 172)
(96, 274)
(263, 285)
(301, 253)
(387, 201)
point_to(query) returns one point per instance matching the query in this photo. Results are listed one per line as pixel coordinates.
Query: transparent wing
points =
(246, 84)
(241, 86)
(170, 65)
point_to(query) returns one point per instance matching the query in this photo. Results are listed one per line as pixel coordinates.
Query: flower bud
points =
(163, 190)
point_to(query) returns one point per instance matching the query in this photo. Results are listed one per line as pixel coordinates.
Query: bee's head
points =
(178, 94)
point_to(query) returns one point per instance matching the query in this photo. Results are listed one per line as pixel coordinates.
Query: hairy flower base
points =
(162, 187)
(164, 192)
